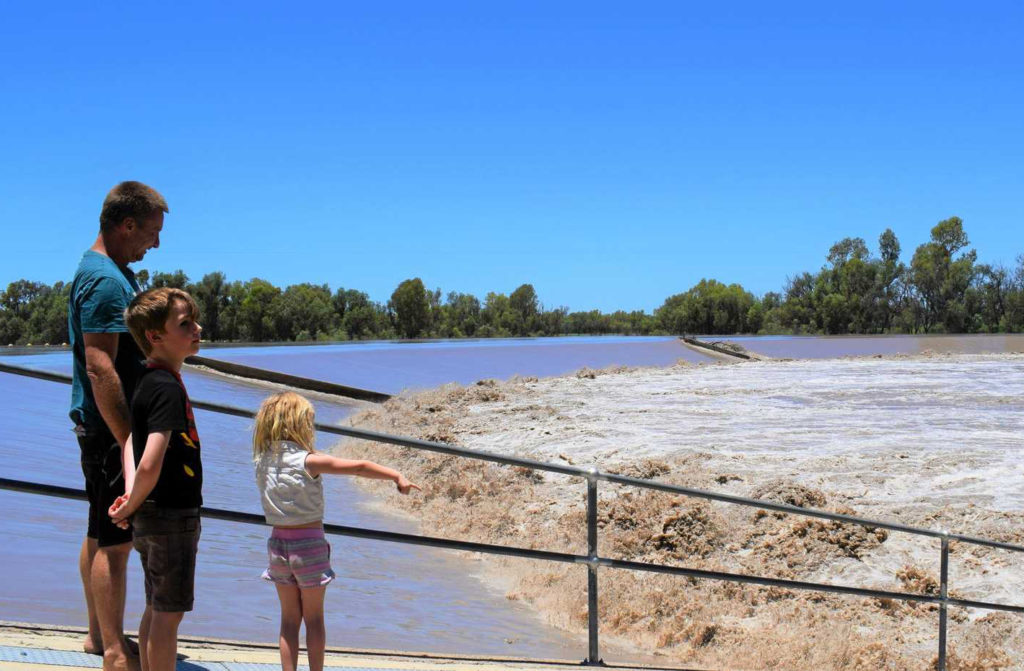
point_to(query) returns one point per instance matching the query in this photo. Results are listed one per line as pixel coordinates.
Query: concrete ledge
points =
(306, 383)
(40, 647)
(720, 349)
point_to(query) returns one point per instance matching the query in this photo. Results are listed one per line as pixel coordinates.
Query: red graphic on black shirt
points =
(192, 438)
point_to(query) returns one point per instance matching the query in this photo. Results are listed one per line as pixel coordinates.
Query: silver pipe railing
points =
(592, 559)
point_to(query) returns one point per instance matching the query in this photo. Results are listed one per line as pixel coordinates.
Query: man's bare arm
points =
(100, 352)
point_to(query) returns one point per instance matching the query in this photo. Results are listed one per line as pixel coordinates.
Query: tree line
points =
(942, 290)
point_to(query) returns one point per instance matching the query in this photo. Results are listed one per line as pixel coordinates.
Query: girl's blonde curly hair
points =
(284, 416)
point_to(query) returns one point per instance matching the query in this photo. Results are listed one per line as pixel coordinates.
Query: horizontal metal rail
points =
(543, 555)
(338, 529)
(294, 381)
(592, 560)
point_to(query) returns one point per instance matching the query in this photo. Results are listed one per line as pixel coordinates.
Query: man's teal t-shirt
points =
(100, 293)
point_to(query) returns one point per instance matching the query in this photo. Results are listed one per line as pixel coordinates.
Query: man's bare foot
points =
(120, 662)
(92, 648)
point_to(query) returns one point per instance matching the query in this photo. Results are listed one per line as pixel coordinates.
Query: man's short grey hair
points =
(130, 199)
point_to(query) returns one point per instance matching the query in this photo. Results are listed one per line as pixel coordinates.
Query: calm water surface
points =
(826, 347)
(391, 367)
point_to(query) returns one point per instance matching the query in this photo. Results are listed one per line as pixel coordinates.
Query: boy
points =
(163, 472)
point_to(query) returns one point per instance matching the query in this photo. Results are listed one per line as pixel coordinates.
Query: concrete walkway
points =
(32, 647)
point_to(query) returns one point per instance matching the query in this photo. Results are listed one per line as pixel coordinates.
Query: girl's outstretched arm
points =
(317, 463)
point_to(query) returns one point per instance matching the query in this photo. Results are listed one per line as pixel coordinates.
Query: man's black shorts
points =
(104, 482)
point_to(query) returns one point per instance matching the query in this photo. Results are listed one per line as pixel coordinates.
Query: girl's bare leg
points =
(316, 635)
(291, 620)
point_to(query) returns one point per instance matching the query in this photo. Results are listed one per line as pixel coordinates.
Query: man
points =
(107, 364)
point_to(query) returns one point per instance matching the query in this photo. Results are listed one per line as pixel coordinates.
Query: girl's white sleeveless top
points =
(290, 495)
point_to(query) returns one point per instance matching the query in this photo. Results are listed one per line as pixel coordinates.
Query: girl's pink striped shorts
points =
(299, 557)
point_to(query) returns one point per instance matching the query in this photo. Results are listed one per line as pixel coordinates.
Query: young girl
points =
(288, 473)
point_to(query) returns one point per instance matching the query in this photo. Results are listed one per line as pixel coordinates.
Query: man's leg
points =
(92, 471)
(93, 641)
(144, 627)
(109, 573)
(162, 645)
(104, 483)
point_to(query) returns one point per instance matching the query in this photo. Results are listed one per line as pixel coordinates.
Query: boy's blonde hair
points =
(149, 311)
(284, 416)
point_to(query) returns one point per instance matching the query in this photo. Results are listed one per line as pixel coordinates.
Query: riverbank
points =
(926, 440)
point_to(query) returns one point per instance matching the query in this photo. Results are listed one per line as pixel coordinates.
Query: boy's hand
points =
(118, 511)
(404, 486)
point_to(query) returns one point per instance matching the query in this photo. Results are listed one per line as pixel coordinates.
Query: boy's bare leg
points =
(108, 574)
(316, 634)
(162, 642)
(291, 620)
(144, 626)
(93, 640)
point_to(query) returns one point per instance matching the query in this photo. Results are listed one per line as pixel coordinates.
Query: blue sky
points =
(611, 154)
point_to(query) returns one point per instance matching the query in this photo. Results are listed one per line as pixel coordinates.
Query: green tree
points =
(303, 312)
(460, 315)
(891, 272)
(1014, 318)
(940, 281)
(359, 316)
(48, 322)
(797, 313)
(554, 321)
(989, 298)
(709, 307)
(524, 306)
(33, 312)
(177, 280)
(255, 315)
(15, 309)
(497, 316)
(846, 250)
(591, 321)
(411, 308)
(211, 295)
(434, 311)
(844, 293)
(771, 306)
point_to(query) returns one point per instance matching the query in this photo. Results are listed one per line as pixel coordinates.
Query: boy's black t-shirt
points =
(161, 404)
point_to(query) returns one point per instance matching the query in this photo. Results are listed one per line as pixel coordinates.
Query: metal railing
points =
(592, 559)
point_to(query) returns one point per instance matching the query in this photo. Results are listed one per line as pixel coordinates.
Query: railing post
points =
(593, 651)
(943, 583)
